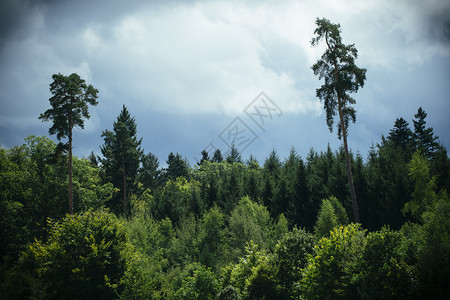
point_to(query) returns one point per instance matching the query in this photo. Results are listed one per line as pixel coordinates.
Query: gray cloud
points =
(186, 69)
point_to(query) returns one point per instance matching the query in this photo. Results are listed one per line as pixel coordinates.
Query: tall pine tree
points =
(342, 77)
(71, 96)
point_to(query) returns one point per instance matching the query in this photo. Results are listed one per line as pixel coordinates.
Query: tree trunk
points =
(349, 169)
(70, 165)
(347, 156)
(124, 186)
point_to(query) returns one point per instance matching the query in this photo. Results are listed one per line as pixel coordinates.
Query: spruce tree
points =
(233, 155)
(424, 138)
(217, 156)
(121, 156)
(401, 136)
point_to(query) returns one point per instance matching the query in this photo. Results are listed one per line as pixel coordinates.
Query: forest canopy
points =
(226, 228)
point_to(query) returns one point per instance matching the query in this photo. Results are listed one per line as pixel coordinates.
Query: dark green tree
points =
(424, 138)
(217, 156)
(121, 151)
(205, 157)
(148, 173)
(401, 136)
(176, 166)
(342, 77)
(233, 155)
(71, 96)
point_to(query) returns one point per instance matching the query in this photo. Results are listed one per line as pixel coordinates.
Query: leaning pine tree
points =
(70, 100)
(342, 77)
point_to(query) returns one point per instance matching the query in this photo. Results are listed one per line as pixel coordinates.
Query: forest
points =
(121, 225)
(226, 227)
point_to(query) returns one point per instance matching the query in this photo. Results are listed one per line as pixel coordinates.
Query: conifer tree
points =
(121, 151)
(424, 138)
(217, 156)
(71, 96)
(233, 155)
(176, 166)
(342, 77)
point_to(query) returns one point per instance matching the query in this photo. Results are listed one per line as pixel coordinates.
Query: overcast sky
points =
(192, 72)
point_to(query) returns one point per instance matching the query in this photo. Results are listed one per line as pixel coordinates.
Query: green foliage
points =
(148, 174)
(384, 273)
(199, 283)
(434, 248)
(176, 167)
(327, 219)
(290, 257)
(233, 155)
(228, 293)
(337, 67)
(178, 199)
(249, 221)
(185, 226)
(423, 194)
(211, 238)
(69, 102)
(330, 273)
(121, 157)
(84, 257)
(424, 138)
(250, 273)
(184, 248)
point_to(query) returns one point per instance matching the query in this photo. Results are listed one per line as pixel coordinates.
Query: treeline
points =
(226, 227)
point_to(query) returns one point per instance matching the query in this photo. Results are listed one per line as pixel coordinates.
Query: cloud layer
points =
(211, 58)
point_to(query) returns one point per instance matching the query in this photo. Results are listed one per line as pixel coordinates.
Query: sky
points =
(201, 74)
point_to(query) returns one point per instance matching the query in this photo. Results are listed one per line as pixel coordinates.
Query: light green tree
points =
(84, 257)
(330, 272)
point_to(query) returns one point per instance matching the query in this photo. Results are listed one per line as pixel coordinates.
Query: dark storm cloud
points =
(439, 24)
(435, 18)
(13, 18)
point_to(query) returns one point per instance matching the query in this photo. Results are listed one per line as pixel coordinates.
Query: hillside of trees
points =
(331, 225)
(228, 227)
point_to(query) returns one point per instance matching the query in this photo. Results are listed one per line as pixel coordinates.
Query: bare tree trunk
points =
(70, 165)
(349, 169)
(347, 156)
(124, 186)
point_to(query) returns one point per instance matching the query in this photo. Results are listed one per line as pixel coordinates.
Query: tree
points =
(122, 152)
(205, 157)
(148, 174)
(330, 272)
(424, 138)
(199, 283)
(176, 166)
(383, 272)
(326, 219)
(217, 156)
(69, 102)
(233, 155)
(85, 257)
(291, 256)
(342, 76)
(401, 135)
